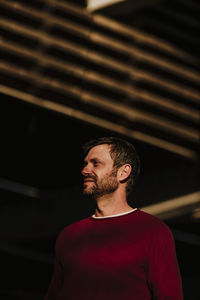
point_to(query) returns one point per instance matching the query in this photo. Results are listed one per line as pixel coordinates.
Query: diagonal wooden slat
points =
(107, 64)
(112, 106)
(143, 38)
(97, 78)
(77, 114)
(81, 51)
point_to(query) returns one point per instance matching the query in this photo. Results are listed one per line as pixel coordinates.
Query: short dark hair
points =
(122, 152)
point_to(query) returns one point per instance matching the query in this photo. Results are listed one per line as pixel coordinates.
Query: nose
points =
(85, 171)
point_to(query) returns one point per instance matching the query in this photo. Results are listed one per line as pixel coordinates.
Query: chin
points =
(86, 191)
(89, 193)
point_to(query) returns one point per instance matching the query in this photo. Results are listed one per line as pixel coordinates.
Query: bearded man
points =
(119, 252)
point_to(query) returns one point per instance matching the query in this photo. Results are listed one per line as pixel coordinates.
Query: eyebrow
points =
(92, 160)
(95, 160)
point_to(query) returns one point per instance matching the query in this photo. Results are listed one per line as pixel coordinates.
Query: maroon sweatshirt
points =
(129, 257)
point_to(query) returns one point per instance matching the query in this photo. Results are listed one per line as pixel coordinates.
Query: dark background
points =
(50, 160)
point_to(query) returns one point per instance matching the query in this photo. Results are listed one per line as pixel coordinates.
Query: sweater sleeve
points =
(163, 270)
(56, 282)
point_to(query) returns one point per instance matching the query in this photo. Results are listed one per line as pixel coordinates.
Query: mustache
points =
(90, 177)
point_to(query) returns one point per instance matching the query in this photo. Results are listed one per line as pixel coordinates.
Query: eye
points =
(95, 162)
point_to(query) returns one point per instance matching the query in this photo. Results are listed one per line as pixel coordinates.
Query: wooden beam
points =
(113, 127)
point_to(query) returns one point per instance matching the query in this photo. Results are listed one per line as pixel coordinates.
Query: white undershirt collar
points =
(113, 216)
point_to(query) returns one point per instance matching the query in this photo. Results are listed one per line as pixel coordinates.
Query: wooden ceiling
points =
(121, 76)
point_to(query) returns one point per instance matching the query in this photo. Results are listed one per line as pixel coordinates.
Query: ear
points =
(124, 172)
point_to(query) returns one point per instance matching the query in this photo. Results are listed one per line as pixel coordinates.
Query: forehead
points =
(101, 152)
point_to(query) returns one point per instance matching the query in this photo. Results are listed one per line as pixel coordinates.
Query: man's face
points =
(99, 175)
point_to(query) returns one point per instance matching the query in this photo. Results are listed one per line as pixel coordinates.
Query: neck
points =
(112, 204)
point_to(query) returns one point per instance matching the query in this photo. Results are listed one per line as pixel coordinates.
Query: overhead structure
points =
(61, 57)
(93, 5)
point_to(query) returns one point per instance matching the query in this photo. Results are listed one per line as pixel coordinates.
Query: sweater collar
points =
(116, 215)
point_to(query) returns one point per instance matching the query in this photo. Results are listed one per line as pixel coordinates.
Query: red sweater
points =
(129, 257)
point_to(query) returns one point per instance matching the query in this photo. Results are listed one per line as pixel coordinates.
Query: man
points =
(119, 252)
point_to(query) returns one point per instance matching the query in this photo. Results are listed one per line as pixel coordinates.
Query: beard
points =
(100, 187)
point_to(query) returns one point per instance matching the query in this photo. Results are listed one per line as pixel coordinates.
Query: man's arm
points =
(164, 275)
(56, 282)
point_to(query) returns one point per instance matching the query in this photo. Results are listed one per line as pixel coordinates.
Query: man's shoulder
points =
(152, 223)
(147, 216)
(74, 228)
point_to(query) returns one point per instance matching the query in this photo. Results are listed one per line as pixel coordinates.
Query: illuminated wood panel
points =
(59, 56)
